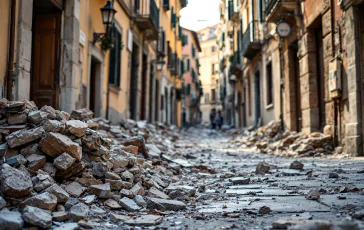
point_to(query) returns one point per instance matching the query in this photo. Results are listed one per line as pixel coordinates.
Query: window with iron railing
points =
(251, 34)
(161, 42)
(147, 8)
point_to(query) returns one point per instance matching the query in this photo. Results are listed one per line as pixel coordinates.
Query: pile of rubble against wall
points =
(59, 168)
(270, 139)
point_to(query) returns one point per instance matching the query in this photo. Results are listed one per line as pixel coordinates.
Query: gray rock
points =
(42, 181)
(333, 175)
(119, 161)
(91, 142)
(118, 218)
(140, 201)
(78, 212)
(313, 195)
(189, 190)
(240, 180)
(99, 169)
(14, 183)
(118, 184)
(71, 202)
(145, 220)
(36, 161)
(67, 226)
(36, 117)
(296, 165)
(16, 160)
(45, 201)
(262, 168)
(112, 176)
(63, 161)
(127, 176)
(62, 195)
(37, 217)
(97, 210)
(53, 126)
(60, 216)
(82, 114)
(155, 193)
(129, 204)
(10, 220)
(138, 189)
(75, 189)
(172, 205)
(23, 136)
(101, 190)
(2, 203)
(76, 127)
(127, 193)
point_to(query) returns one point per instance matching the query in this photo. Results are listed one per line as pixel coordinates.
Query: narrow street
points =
(233, 195)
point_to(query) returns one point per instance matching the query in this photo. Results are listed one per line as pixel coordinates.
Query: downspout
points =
(10, 73)
(281, 83)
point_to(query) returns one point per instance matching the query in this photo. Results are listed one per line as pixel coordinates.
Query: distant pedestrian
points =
(212, 118)
(219, 120)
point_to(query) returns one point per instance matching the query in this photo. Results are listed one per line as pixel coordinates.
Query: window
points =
(213, 49)
(213, 68)
(188, 89)
(188, 64)
(115, 59)
(193, 51)
(269, 79)
(173, 18)
(207, 98)
(166, 4)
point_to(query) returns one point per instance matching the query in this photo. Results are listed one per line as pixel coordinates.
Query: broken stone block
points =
(112, 176)
(60, 216)
(140, 201)
(126, 193)
(240, 180)
(313, 195)
(37, 217)
(14, 183)
(129, 204)
(155, 193)
(30, 149)
(333, 175)
(17, 119)
(2, 203)
(118, 184)
(99, 169)
(112, 204)
(71, 202)
(127, 176)
(68, 226)
(80, 114)
(131, 149)
(45, 201)
(262, 168)
(119, 161)
(24, 136)
(36, 161)
(172, 205)
(76, 168)
(189, 190)
(54, 144)
(296, 165)
(138, 189)
(62, 195)
(63, 161)
(50, 110)
(89, 199)
(50, 169)
(264, 210)
(138, 142)
(78, 212)
(145, 220)
(53, 126)
(42, 181)
(262, 145)
(102, 190)
(75, 189)
(76, 127)
(287, 141)
(118, 218)
(304, 148)
(11, 220)
(36, 117)
(95, 210)
(16, 160)
(91, 142)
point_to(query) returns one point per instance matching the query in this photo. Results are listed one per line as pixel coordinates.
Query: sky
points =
(199, 14)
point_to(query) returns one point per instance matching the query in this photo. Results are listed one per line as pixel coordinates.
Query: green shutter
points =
(188, 64)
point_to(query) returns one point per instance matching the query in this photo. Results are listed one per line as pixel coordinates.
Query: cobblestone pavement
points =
(222, 204)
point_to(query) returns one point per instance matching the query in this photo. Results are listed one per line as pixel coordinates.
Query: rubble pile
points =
(270, 139)
(78, 171)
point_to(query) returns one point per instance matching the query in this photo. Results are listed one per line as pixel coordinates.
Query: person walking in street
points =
(219, 120)
(212, 118)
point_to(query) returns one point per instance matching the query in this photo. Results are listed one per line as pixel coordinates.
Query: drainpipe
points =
(10, 73)
(281, 83)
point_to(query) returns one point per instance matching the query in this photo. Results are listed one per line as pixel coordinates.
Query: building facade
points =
(209, 72)
(190, 77)
(309, 78)
(55, 53)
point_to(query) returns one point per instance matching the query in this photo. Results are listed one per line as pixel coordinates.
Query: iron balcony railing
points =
(271, 4)
(251, 35)
(147, 8)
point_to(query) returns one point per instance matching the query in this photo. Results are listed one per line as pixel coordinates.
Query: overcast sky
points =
(199, 14)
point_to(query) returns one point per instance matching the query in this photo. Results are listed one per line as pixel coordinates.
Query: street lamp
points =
(160, 65)
(107, 13)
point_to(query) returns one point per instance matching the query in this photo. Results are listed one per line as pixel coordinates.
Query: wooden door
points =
(320, 78)
(45, 59)
(143, 100)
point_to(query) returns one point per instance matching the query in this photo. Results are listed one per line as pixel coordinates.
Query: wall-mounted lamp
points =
(160, 65)
(107, 13)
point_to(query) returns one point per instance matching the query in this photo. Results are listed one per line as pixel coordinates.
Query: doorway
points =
(166, 100)
(143, 98)
(156, 98)
(320, 78)
(134, 82)
(95, 90)
(240, 109)
(45, 53)
(151, 88)
(296, 100)
(257, 98)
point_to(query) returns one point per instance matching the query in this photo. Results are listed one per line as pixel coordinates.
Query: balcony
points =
(236, 67)
(252, 40)
(161, 45)
(146, 17)
(233, 10)
(274, 9)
